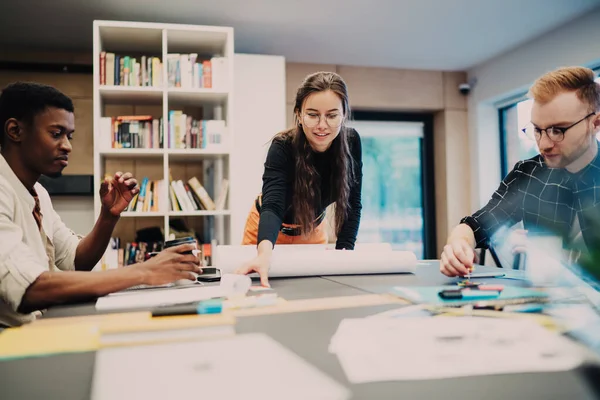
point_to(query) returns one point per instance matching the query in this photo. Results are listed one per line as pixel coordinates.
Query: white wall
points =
(576, 43)
(259, 113)
(76, 212)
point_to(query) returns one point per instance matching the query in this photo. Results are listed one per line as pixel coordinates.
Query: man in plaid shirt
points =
(557, 191)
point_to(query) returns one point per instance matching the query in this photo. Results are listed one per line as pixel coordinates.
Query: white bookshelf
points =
(159, 40)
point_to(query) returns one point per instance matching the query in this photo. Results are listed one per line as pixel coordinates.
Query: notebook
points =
(429, 295)
(25, 341)
(83, 333)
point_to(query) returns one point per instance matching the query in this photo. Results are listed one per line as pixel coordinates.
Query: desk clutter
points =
(483, 326)
(484, 295)
(467, 329)
(170, 314)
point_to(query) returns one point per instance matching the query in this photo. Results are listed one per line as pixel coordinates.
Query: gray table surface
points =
(289, 289)
(427, 274)
(69, 376)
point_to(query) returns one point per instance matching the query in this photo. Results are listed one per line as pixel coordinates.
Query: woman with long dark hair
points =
(316, 163)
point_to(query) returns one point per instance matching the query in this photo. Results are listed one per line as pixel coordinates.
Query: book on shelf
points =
(222, 197)
(118, 254)
(183, 196)
(148, 198)
(125, 70)
(188, 196)
(193, 196)
(186, 132)
(188, 71)
(131, 132)
(202, 194)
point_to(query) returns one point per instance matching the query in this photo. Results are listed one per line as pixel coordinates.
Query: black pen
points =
(467, 294)
(213, 306)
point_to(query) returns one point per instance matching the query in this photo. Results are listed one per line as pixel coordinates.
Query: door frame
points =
(427, 168)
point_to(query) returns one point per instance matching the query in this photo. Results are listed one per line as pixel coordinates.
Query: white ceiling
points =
(422, 34)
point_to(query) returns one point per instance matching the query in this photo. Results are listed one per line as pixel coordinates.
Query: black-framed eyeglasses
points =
(554, 133)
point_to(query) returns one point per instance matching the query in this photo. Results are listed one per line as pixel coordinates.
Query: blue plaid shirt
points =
(544, 199)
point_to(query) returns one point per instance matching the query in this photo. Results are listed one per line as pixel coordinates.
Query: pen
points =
(458, 294)
(488, 275)
(214, 306)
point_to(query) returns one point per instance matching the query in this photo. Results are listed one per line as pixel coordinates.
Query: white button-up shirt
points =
(23, 254)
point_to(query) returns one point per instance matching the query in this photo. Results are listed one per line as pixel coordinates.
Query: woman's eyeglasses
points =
(333, 120)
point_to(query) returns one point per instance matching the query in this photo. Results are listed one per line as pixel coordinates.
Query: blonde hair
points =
(567, 79)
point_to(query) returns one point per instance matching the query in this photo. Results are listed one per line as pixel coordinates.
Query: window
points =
(397, 188)
(514, 144)
(517, 146)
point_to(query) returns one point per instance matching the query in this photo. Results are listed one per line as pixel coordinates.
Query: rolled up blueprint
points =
(316, 260)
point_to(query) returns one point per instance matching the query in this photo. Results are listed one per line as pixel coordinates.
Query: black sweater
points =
(278, 189)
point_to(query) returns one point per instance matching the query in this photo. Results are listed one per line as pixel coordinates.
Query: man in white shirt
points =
(42, 262)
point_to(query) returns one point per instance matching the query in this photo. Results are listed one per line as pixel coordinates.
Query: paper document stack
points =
(231, 368)
(151, 299)
(230, 285)
(387, 349)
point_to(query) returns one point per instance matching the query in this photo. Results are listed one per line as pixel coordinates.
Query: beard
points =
(577, 153)
(566, 159)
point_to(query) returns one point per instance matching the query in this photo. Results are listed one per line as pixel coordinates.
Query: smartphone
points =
(210, 274)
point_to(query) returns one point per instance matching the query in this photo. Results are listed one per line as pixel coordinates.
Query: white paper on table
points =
(159, 298)
(314, 260)
(380, 349)
(573, 316)
(248, 366)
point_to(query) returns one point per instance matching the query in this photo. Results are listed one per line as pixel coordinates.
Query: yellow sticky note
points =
(30, 342)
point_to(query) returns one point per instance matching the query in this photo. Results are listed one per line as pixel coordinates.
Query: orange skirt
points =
(317, 236)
